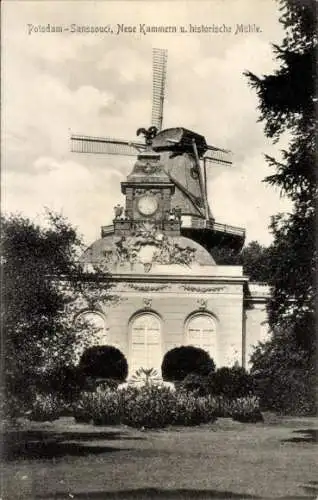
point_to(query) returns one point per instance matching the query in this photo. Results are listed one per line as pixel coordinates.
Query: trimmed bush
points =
(104, 362)
(232, 382)
(181, 361)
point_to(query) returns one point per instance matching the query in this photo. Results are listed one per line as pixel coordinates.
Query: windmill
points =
(184, 153)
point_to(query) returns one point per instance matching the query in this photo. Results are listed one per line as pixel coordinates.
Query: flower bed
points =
(157, 406)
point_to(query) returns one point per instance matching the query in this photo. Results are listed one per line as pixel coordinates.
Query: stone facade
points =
(212, 296)
(168, 289)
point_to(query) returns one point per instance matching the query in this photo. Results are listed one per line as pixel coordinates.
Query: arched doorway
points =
(201, 332)
(145, 343)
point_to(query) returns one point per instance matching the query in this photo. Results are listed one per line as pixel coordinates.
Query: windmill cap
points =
(179, 139)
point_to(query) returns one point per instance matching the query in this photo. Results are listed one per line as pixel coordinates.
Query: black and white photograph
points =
(158, 249)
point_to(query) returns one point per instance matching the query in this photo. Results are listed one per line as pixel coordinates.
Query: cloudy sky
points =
(55, 84)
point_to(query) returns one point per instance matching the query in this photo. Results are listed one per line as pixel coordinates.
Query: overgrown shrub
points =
(284, 376)
(153, 406)
(106, 407)
(92, 384)
(64, 381)
(83, 407)
(246, 409)
(181, 361)
(290, 392)
(230, 382)
(192, 410)
(195, 384)
(103, 407)
(148, 406)
(46, 407)
(104, 362)
(241, 409)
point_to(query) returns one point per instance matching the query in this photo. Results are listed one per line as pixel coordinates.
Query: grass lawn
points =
(224, 460)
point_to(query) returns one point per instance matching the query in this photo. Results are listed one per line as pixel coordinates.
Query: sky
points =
(100, 84)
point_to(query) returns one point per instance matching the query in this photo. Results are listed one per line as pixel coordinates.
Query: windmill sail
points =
(105, 145)
(217, 155)
(158, 86)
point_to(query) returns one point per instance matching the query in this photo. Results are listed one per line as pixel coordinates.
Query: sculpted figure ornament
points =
(149, 168)
(148, 134)
(147, 248)
(118, 210)
(177, 213)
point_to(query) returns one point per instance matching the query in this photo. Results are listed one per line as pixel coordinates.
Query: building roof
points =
(113, 253)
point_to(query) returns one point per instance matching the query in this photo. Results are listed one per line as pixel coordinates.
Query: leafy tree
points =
(254, 258)
(287, 107)
(181, 361)
(283, 376)
(41, 284)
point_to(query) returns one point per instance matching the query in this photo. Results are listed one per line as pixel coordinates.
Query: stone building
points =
(170, 290)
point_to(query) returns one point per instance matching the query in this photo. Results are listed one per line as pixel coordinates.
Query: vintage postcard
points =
(139, 246)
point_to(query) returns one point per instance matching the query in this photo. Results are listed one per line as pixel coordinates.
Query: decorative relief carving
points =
(148, 288)
(202, 303)
(147, 246)
(139, 191)
(199, 289)
(150, 168)
(147, 303)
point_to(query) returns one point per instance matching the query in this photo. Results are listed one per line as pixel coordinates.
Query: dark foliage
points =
(36, 316)
(254, 258)
(231, 382)
(197, 384)
(104, 362)
(41, 287)
(181, 361)
(287, 105)
(64, 381)
(284, 375)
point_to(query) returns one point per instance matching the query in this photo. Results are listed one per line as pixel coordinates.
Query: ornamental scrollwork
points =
(148, 288)
(147, 246)
(198, 289)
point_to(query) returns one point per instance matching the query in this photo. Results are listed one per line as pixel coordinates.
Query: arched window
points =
(145, 342)
(95, 325)
(201, 332)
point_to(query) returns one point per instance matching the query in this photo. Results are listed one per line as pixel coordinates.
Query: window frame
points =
(206, 314)
(133, 319)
